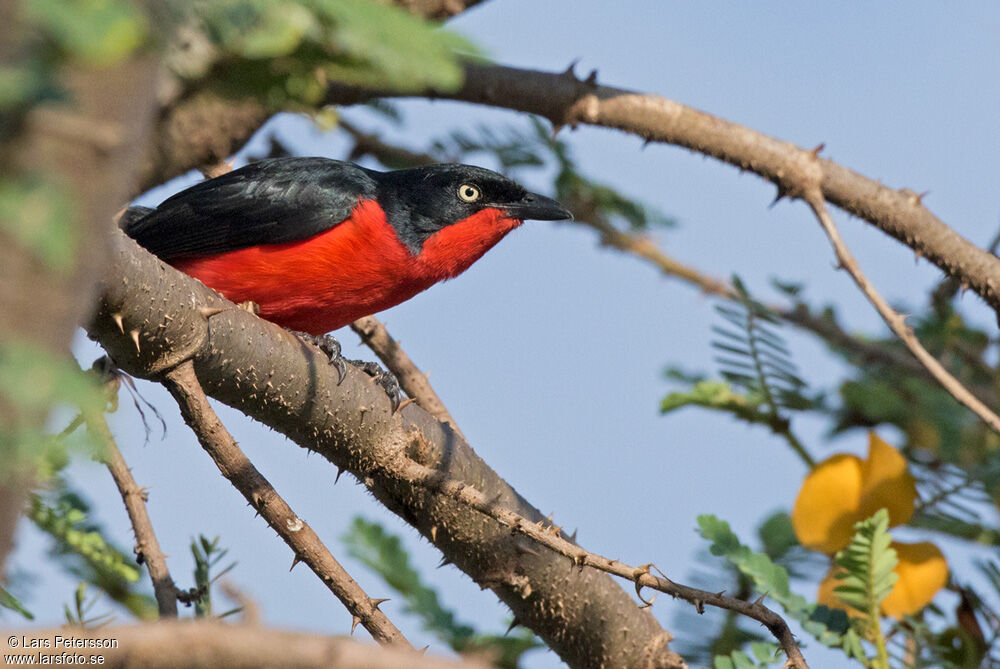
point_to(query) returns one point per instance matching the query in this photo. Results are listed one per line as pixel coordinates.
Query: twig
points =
(551, 537)
(237, 468)
(411, 379)
(894, 320)
(209, 644)
(147, 547)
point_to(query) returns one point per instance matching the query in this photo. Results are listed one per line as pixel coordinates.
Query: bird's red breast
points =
(355, 268)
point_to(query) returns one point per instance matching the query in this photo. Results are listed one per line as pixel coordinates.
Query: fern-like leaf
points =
(753, 356)
(829, 626)
(865, 571)
(384, 554)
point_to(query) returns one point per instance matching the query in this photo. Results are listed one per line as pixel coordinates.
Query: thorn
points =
(569, 72)
(135, 339)
(295, 561)
(556, 127)
(340, 470)
(572, 537)
(917, 255)
(699, 606)
(434, 534)
(759, 601)
(636, 576)
(649, 604)
(778, 197)
(919, 198)
(354, 623)
(117, 318)
(646, 142)
(408, 401)
(819, 147)
(591, 79)
(444, 561)
(424, 649)
(378, 602)
(513, 623)
(208, 312)
(250, 306)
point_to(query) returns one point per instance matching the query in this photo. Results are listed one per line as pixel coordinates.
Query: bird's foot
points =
(328, 345)
(385, 379)
(331, 347)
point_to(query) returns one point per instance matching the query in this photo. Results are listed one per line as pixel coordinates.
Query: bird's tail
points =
(131, 217)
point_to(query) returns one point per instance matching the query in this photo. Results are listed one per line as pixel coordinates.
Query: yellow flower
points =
(921, 572)
(844, 489)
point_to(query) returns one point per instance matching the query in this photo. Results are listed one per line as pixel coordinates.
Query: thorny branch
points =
(152, 318)
(307, 546)
(892, 318)
(147, 548)
(566, 100)
(551, 536)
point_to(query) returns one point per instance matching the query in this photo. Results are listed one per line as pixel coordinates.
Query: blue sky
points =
(549, 351)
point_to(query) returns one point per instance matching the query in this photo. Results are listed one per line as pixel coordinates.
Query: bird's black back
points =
(272, 201)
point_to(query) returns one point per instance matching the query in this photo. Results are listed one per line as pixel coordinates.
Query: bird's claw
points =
(328, 345)
(331, 347)
(385, 379)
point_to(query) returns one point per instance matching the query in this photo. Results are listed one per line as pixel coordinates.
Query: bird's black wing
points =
(268, 202)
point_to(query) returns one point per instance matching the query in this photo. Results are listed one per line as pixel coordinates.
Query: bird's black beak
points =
(534, 207)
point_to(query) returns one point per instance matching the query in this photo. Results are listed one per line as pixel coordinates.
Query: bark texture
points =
(210, 645)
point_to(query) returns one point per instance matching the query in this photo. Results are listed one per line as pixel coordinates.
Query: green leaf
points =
(67, 524)
(33, 381)
(9, 601)
(866, 566)
(718, 395)
(288, 51)
(98, 32)
(722, 662)
(777, 535)
(207, 555)
(765, 651)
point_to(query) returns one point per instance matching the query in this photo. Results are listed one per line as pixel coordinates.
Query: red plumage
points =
(355, 268)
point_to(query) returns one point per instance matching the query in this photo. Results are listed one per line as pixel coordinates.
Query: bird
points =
(316, 243)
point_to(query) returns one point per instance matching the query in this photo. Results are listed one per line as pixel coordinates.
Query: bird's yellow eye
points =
(469, 193)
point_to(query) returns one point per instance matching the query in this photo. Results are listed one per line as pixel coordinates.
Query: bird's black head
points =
(423, 200)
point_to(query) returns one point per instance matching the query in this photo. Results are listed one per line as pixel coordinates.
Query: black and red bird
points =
(318, 243)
